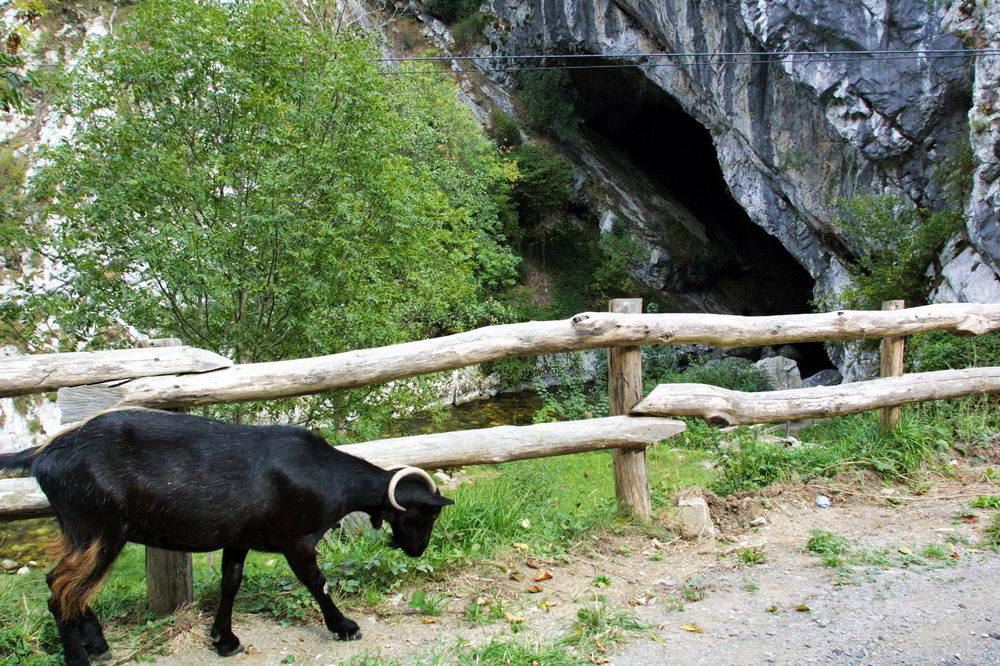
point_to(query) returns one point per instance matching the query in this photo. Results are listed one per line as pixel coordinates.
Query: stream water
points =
(27, 540)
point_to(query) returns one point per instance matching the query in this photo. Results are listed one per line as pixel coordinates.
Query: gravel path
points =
(937, 612)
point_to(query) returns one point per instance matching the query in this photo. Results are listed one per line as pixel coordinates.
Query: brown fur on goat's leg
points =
(72, 581)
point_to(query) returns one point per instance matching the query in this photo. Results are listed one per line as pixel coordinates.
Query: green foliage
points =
(600, 626)
(428, 604)
(896, 243)
(17, 20)
(991, 536)
(512, 371)
(549, 101)
(956, 172)
(986, 502)
(752, 555)
(512, 653)
(612, 277)
(730, 372)
(320, 205)
(469, 29)
(943, 351)
(505, 129)
(450, 11)
(855, 442)
(545, 183)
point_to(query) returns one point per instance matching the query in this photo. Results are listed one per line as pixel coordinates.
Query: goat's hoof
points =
(347, 630)
(228, 649)
(101, 658)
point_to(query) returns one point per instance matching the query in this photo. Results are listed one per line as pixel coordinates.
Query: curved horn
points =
(406, 471)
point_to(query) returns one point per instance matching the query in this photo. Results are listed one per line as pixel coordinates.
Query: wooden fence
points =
(174, 377)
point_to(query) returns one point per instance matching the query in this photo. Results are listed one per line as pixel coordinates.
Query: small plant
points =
(986, 502)
(694, 589)
(749, 585)
(935, 551)
(752, 555)
(600, 626)
(832, 548)
(602, 581)
(428, 604)
(484, 610)
(991, 538)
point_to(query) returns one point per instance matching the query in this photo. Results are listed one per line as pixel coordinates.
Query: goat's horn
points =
(406, 471)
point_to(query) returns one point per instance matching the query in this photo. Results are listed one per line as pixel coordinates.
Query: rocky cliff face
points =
(789, 137)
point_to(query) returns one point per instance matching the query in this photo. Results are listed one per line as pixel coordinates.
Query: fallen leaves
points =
(542, 576)
(513, 619)
(535, 589)
(693, 628)
(802, 608)
(532, 563)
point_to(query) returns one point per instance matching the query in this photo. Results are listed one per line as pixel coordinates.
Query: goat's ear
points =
(376, 519)
(436, 500)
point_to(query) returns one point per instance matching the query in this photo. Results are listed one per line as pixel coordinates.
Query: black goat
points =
(188, 483)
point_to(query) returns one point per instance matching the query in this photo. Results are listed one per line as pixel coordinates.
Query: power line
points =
(683, 54)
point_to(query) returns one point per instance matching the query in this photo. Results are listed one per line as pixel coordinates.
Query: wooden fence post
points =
(892, 366)
(169, 573)
(624, 392)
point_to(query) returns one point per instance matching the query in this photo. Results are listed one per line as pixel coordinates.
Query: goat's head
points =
(413, 504)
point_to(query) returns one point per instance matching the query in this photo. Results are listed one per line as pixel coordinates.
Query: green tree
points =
(17, 17)
(895, 245)
(257, 186)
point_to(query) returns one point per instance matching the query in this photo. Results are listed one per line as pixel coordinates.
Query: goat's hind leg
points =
(225, 641)
(74, 578)
(92, 637)
(303, 563)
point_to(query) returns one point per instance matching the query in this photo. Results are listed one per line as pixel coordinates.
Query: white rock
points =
(23, 571)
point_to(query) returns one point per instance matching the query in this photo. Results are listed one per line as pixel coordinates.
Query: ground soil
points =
(942, 614)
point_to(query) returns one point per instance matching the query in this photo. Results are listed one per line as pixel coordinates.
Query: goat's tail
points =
(19, 461)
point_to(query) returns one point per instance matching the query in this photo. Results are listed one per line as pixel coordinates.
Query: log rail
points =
(588, 330)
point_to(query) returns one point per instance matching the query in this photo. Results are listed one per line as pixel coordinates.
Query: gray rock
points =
(8, 565)
(696, 519)
(823, 502)
(783, 372)
(828, 377)
(789, 351)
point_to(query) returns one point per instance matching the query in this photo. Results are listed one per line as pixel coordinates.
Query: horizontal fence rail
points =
(723, 407)
(38, 373)
(22, 498)
(589, 330)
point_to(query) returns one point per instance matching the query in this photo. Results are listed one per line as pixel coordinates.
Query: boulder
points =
(828, 377)
(696, 519)
(783, 372)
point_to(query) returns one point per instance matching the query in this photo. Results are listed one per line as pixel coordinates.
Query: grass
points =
(598, 627)
(839, 552)
(991, 537)
(986, 502)
(854, 442)
(752, 555)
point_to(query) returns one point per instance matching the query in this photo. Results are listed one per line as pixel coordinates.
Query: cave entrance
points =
(750, 269)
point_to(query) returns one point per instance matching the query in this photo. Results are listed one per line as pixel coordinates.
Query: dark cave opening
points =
(676, 153)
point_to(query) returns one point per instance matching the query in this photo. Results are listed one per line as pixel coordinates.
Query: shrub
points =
(612, 276)
(943, 351)
(545, 185)
(468, 29)
(896, 243)
(549, 101)
(504, 128)
(450, 11)
(730, 372)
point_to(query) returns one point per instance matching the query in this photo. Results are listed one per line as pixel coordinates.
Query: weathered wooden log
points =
(722, 407)
(624, 391)
(891, 355)
(590, 330)
(38, 373)
(21, 498)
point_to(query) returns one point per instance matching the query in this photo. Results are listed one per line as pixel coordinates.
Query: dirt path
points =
(939, 612)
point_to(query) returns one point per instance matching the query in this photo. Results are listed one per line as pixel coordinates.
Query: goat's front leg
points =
(225, 641)
(302, 560)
